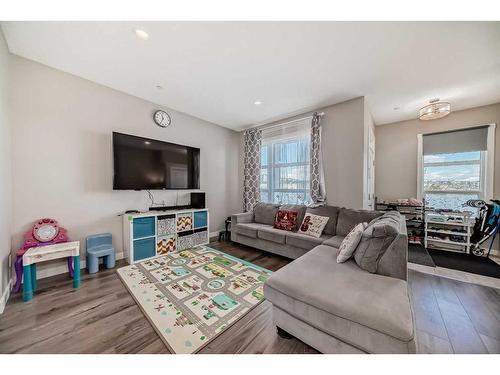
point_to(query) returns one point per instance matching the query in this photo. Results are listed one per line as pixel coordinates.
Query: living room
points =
(249, 187)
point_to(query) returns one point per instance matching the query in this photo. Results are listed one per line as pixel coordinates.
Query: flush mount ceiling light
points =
(434, 110)
(141, 34)
(257, 102)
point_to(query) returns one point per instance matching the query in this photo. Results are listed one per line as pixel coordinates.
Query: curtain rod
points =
(264, 127)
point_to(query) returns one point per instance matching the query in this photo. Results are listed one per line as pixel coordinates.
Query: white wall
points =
(62, 153)
(343, 151)
(5, 173)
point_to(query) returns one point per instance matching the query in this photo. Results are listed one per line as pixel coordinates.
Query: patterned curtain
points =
(251, 187)
(318, 191)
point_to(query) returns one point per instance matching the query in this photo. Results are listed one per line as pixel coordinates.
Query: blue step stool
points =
(100, 246)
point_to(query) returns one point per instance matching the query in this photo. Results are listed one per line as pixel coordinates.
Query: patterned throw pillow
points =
(285, 220)
(350, 243)
(313, 225)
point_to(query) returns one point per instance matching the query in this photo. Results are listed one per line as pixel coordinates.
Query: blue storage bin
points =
(144, 227)
(200, 219)
(144, 248)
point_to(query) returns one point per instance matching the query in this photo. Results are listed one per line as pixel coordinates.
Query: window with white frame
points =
(452, 179)
(454, 168)
(284, 173)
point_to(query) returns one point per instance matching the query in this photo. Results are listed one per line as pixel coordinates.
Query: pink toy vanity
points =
(44, 232)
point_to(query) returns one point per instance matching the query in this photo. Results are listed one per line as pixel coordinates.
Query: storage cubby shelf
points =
(443, 229)
(413, 214)
(151, 234)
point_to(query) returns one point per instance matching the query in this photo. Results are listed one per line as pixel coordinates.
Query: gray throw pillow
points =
(265, 213)
(376, 239)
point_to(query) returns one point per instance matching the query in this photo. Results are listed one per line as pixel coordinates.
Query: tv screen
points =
(148, 164)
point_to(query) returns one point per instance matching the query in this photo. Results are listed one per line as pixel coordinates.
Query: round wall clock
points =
(162, 118)
(45, 230)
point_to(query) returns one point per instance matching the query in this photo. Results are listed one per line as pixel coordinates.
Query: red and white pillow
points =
(313, 225)
(286, 220)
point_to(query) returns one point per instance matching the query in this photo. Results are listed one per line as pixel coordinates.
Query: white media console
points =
(156, 233)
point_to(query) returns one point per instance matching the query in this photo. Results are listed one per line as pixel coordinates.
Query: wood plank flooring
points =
(102, 317)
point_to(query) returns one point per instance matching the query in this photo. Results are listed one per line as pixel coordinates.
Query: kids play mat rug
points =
(193, 295)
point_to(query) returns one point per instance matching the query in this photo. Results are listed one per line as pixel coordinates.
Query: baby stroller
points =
(487, 225)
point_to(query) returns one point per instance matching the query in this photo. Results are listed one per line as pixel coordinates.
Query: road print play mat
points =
(192, 295)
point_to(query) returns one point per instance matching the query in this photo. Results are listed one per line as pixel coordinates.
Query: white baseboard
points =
(5, 296)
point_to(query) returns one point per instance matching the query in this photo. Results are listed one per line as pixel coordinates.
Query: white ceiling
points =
(217, 70)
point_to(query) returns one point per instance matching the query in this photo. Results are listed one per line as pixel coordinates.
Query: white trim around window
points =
(420, 166)
(490, 163)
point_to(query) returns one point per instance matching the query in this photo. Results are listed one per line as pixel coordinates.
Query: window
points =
(456, 166)
(452, 179)
(284, 173)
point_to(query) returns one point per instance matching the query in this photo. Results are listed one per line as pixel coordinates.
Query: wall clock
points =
(162, 118)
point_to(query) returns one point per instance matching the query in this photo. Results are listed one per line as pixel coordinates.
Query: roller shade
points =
(472, 139)
(289, 130)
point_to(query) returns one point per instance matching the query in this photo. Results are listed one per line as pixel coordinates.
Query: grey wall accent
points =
(62, 153)
(396, 149)
(5, 169)
(343, 151)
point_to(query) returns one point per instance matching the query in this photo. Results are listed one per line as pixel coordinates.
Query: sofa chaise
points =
(335, 307)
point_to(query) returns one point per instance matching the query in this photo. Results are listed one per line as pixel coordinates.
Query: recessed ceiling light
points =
(141, 34)
(147, 142)
(257, 102)
(159, 87)
(396, 108)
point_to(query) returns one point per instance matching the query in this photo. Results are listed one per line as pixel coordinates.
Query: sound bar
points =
(170, 208)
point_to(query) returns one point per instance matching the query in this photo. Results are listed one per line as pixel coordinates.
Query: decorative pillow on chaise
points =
(286, 220)
(350, 242)
(313, 225)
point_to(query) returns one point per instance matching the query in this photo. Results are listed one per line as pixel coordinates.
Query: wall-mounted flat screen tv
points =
(149, 164)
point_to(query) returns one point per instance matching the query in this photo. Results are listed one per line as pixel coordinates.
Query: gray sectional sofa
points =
(337, 308)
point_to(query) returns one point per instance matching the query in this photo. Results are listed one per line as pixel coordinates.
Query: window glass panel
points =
(263, 179)
(264, 151)
(445, 175)
(264, 196)
(287, 197)
(450, 201)
(452, 177)
(292, 177)
(459, 156)
(284, 175)
(291, 151)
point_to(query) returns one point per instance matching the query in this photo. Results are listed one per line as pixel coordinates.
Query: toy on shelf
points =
(44, 232)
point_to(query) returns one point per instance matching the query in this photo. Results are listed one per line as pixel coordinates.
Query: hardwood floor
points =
(102, 317)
